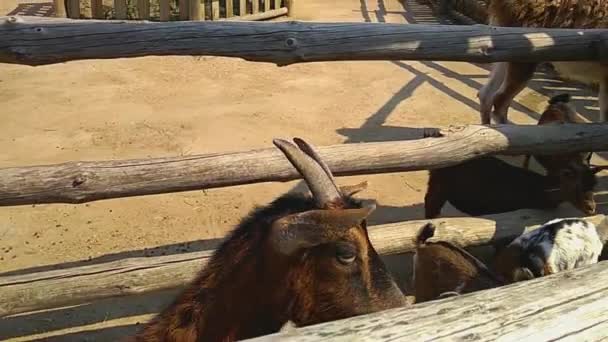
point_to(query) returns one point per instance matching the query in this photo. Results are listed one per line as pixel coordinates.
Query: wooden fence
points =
(166, 10)
(535, 309)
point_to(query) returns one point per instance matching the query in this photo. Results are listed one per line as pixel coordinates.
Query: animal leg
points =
(517, 77)
(433, 200)
(487, 93)
(603, 97)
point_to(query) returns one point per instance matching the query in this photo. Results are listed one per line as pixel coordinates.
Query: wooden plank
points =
(79, 182)
(74, 8)
(229, 8)
(277, 4)
(569, 305)
(255, 6)
(266, 5)
(42, 290)
(195, 11)
(120, 9)
(97, 9)
(259, 15)
(242, 8)
(215, 9)
(165, 10)
(184, 9)
(60, 8)
(285, 43)
(143, 9)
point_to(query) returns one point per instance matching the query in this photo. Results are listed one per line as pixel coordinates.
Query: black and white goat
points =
(558, 245)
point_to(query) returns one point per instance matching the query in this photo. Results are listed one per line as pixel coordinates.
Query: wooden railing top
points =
(78, 182)
(35, 41)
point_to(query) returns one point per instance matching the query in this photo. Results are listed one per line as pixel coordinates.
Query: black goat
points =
(488, 185)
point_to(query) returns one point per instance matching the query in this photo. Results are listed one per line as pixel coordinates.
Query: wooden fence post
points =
(242, 8)
(60, 8)
(120, 9)
(97, 9)
(165, 10)
(184, 9)
(195, 10)
(215, 9)
(74, 9)
(229, 8)
(143, 9)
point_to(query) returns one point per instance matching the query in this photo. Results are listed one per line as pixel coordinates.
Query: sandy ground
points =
(167, 106)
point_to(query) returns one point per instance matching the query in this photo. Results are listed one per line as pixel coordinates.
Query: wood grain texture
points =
(51, 289)
(565, 306)
(79, 182)
(36, 41)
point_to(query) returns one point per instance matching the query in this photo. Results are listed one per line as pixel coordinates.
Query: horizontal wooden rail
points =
(36, 41)
(568, 306)
(51, 289)
(78, 182)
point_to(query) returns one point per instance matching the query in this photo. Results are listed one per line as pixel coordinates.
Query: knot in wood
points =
(12, 20)
(78, 180)
(291, 43)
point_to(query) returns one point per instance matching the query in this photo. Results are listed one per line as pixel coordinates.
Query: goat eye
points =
(346, 257)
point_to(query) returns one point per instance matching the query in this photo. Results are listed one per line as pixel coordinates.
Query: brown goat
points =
(558, 111)
(304, 259)
(508, 79)
(442, 269)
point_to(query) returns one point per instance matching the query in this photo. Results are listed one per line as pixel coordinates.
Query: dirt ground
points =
(168, 106)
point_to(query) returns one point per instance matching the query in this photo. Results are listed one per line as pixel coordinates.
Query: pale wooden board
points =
(285, 43)
(78, 182)
(570, 305)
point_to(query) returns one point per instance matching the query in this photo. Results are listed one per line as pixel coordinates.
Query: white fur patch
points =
(575, 244)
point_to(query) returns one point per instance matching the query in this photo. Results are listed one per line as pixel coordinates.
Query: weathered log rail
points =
(569, 306)
(36, 41)
(78, 182)
(52, 289)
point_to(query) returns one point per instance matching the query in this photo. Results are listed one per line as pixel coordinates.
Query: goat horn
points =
(323, 189)
(311, 228)
(311, 152)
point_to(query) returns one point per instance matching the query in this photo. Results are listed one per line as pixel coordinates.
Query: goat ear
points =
(350, 190)
(521, 274)
(314, 227)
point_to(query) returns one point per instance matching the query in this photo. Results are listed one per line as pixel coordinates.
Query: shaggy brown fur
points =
(441, 267)
(251, 288)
